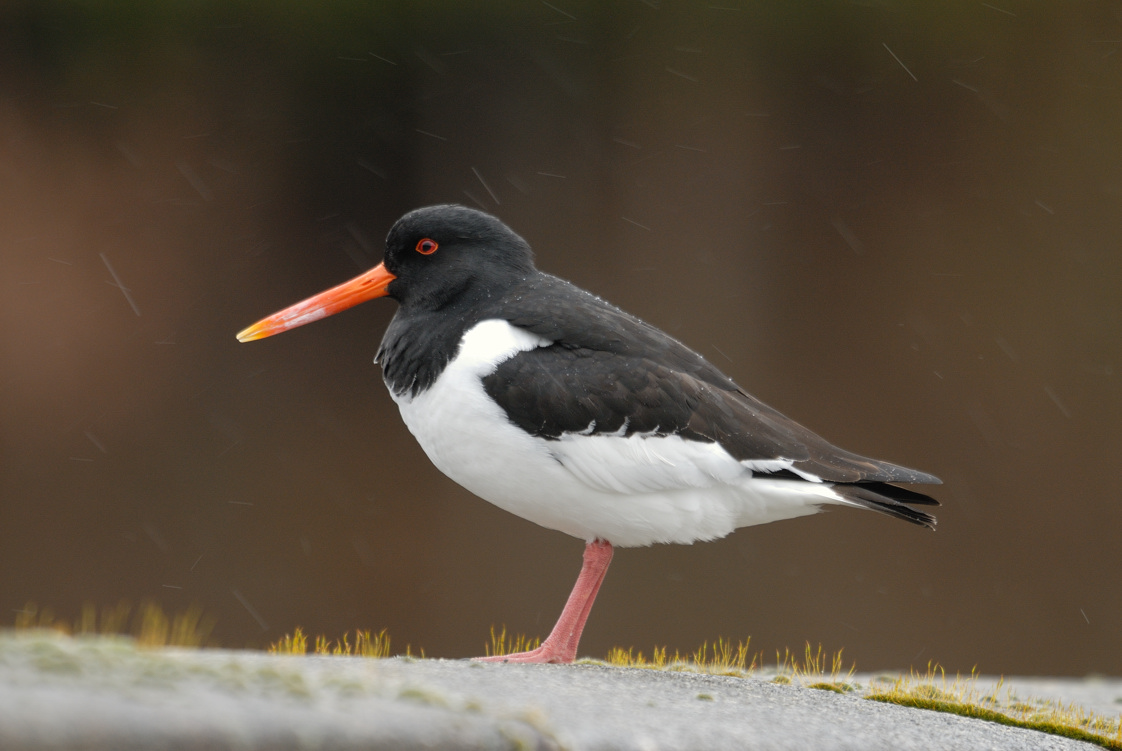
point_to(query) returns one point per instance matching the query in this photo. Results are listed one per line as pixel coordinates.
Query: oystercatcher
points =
(557, 406)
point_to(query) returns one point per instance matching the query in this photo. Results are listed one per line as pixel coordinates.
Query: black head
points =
(440, 254)
(435, 257)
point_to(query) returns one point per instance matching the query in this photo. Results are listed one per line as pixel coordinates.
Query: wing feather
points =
(608, 372)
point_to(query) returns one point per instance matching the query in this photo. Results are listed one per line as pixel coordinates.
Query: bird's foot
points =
(545, 653)
(561, 644)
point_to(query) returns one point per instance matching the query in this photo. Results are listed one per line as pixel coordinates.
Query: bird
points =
(555, 405)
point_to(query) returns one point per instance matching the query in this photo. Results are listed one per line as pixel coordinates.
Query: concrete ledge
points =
(105, 693)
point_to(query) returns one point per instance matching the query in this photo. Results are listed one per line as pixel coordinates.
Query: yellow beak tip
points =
(249, 334)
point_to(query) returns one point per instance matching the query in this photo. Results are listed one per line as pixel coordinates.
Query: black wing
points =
(607, 372)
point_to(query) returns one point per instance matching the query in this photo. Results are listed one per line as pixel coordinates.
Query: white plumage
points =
(629, 491)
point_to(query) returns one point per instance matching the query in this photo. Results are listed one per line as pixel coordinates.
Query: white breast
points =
(630, 491)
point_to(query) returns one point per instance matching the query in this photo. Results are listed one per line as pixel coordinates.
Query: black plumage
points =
(605, 371)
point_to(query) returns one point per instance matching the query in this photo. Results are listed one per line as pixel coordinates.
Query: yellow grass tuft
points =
(295, 643)
(151, 627)
(361, 644)
(720, 658)
(812, 671)
(961, 696)
(189, 629)
(814, 668)
(502, 644)
(621, 658)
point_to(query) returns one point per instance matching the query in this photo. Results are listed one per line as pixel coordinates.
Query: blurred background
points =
(896, 222)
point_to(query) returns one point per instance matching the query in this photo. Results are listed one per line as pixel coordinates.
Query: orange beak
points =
(348, 294)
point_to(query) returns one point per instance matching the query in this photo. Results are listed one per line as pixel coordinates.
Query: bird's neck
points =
(419, 344)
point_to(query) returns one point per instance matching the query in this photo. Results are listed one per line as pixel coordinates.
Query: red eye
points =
(427, 247)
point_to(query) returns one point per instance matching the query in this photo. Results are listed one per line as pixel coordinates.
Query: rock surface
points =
(106, 693)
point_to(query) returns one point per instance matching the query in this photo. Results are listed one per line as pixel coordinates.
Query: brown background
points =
(921, 269)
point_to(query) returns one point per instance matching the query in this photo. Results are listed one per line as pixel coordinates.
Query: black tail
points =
(889, 499)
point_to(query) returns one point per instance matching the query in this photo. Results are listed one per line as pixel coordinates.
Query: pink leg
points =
(561, 644)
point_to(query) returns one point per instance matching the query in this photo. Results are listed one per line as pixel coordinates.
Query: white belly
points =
(629, 491)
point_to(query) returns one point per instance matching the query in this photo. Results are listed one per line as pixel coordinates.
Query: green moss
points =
(54, 660)
(424, 696)
(837, 688)
(990, 715)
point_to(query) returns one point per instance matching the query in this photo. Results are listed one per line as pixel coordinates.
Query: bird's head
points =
(435, 256)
